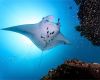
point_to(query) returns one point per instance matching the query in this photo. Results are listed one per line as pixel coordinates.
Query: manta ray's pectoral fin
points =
(21, 28)
(29, 31)
(62, 39)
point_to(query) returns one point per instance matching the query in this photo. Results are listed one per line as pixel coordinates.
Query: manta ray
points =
(45, 34)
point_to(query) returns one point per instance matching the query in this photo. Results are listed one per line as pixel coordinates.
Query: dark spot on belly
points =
(48, 36)
(47, 32)
(53, 32)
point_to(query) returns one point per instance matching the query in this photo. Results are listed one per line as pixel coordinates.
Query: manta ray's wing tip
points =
(6, 28)
(14, 29)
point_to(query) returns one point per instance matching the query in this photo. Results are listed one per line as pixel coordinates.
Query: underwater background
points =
(20, 58)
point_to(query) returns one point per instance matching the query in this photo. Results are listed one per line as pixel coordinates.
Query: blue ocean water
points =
(20, 58)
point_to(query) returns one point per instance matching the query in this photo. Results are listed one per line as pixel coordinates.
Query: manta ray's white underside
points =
(44, 34)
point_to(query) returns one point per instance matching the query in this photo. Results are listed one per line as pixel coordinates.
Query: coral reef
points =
(74, 70)
(89, 17)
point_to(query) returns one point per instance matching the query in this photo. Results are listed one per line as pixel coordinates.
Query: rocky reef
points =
(74, 70)
(89, 17)
(77, 1)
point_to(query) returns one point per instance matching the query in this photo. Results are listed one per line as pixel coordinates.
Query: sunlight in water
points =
(19, 15)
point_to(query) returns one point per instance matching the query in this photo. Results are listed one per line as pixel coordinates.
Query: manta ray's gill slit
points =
(43, 37)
